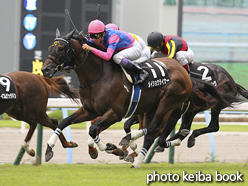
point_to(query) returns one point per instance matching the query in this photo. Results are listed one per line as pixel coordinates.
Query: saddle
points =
(158, 75)
(203, 72)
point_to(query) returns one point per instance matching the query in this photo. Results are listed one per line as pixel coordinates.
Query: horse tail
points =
(58, 85)
(204, 92)
(242, 91)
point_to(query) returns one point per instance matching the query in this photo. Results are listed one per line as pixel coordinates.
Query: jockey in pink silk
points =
(116, 40)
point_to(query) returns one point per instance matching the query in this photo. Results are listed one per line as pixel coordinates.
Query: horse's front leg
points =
(109, 118)
(80, 115)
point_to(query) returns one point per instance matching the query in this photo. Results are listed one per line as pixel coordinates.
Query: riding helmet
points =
(96, 26)
(154, 39)
(113, 26)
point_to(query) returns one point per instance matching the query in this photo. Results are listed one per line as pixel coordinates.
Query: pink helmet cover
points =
(113, 26)
(96, 26)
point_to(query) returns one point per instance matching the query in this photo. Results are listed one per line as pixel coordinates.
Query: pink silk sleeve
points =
(105, 55)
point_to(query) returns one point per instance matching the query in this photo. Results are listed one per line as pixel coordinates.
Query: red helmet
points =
(96, 27)
(113, 26)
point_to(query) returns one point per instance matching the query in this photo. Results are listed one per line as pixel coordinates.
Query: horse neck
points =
(90, 70)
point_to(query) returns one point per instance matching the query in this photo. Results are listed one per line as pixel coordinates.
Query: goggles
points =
(157, 47)
(95, 36)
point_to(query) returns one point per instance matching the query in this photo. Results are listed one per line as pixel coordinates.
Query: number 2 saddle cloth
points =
(203, 72)
(7, 88)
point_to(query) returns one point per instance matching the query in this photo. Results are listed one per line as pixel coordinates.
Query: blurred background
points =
(216, 30)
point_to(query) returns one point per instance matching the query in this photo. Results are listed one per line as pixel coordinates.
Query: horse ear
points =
(69, 35)
(57, 33)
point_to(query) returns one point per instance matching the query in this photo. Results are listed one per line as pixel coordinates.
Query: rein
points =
(67, 59)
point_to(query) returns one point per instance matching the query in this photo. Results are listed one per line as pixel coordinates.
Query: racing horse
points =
(225, 85)
(105, 91)
(30, 101)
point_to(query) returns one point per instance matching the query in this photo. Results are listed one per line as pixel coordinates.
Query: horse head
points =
(60, 56)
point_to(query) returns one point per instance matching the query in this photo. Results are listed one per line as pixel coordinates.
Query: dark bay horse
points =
(226, 86)
(30, 105)
(105, 91)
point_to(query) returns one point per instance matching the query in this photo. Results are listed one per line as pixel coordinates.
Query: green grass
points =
(113, 174)
(119, 125)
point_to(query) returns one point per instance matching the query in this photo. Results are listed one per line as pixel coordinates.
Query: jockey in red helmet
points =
(171, 46)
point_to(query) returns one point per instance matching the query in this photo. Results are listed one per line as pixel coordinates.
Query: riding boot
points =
(141, 72)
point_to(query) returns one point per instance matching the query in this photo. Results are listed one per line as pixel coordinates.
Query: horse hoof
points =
(159, 149)
(129, 159)
(121, 152)
(184, 132)
(191, 143)
(95, 155)
(125, 154)
(73, 144)
(132, 167)
(48, 156)
(110, 147)
(32, 153)
(125, 141)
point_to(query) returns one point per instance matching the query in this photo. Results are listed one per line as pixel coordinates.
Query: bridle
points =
(66, 59)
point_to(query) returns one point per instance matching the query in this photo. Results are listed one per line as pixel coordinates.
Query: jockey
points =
(116, 40)
(145, 50)
(171, 46)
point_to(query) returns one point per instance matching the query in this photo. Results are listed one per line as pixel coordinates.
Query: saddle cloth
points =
(7, 88)
(158, 75)
(203, 72)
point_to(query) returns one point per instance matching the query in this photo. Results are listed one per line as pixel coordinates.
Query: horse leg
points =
(181, 134)
(127, 127)
(153, 127)
(109, 118)
(19, 115)
(80, 115)
(46, 121)
(130, 157)
(148, 141)
(29, 135)
(212, 127)
(168, 127)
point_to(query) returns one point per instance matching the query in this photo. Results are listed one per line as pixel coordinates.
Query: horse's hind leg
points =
(17, 114)
(212, 127)
(29, 135)
(148, 141)
(183, 131)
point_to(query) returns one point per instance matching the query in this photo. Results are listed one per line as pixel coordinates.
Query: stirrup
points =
(146, 74)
